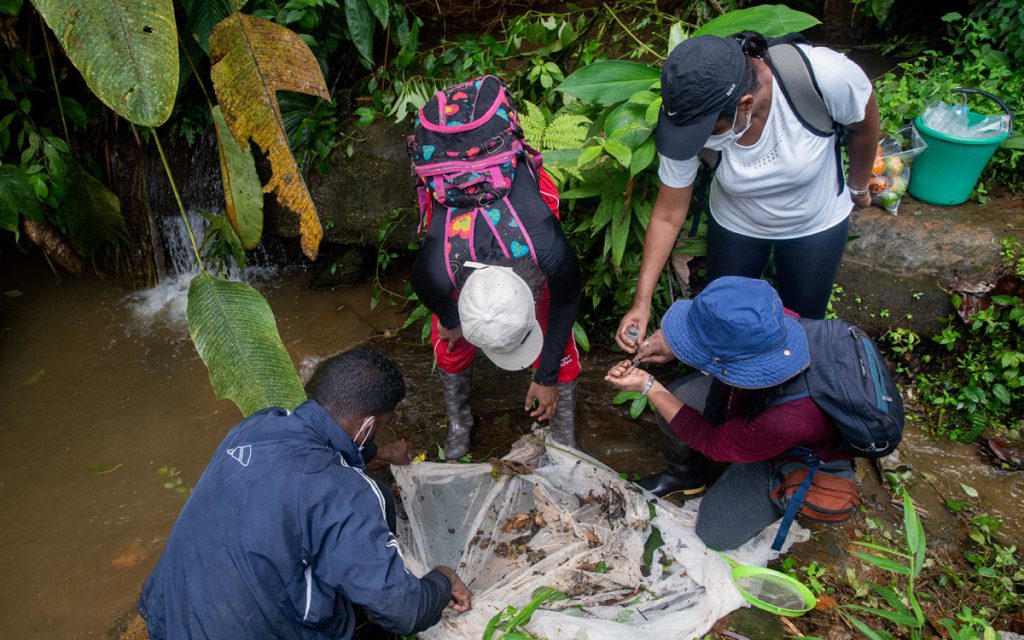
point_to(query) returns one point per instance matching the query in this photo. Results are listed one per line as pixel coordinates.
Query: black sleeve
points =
(558, 261)
(437, 592)
(429, 279)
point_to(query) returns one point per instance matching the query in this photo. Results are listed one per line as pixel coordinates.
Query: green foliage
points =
(172, 480)
(127, 51)
(981, 57)
(505, 625)
(93, 220)
(897, 602)
(222, 250)
(977, 384)
(637, 402)
(235, 334)
(770, 20)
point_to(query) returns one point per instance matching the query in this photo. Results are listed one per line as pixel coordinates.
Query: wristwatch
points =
(647, 385)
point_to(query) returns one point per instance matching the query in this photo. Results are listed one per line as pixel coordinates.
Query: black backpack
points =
(792, 70)
(849, 380)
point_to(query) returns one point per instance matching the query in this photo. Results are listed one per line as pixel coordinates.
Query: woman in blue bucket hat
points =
(745, 346)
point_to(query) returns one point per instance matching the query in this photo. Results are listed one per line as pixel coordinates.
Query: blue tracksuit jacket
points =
(282, 535)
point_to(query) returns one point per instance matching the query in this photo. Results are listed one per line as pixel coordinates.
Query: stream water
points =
(99, 391)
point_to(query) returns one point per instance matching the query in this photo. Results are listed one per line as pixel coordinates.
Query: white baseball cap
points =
(496, 309)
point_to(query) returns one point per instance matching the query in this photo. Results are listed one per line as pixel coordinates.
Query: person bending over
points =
(779, 191)
(285, 536)
(744, 346)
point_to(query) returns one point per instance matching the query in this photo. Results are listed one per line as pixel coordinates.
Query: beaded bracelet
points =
(647, 385)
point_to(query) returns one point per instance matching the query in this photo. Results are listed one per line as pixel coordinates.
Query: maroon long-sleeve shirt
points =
(771, 434)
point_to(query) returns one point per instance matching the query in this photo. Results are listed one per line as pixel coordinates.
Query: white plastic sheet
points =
(550, 517)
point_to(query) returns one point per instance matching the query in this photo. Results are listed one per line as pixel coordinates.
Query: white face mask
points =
(719, 141)
(366, 426)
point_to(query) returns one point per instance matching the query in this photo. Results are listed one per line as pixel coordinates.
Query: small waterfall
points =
(169, 298)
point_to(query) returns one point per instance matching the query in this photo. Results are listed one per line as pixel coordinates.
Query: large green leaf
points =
(17, 197)
(768, 19)
(243, 193)
(609, 81)
(360, 26)
(380, 9)
(93, 215)
(235, 334)
(127, 51)
(627, 123)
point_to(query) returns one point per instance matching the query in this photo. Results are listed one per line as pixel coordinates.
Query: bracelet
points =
(856, 192)
(647, 385)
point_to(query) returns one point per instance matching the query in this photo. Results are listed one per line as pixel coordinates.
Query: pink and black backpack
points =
(466, 148)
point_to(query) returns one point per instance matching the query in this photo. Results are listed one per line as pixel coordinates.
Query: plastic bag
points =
(553, 516)
(953, 121)
(890, 173)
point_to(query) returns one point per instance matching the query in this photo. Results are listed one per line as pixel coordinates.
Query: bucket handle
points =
(980, 92)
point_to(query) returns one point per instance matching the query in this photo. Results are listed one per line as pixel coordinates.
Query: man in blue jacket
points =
(285, 536)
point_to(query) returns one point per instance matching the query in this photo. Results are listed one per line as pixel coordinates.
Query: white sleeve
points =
(677, 173)
(844, 85)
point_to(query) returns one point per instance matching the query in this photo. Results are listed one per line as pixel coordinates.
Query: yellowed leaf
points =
(252, 60)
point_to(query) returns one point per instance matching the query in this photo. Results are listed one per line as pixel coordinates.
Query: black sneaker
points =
(683, 482)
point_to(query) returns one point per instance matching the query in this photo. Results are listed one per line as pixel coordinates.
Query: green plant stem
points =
(177, 198)
(56, 89)
(633, 35)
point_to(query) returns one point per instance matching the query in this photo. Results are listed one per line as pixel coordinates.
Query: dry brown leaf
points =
(252, 59)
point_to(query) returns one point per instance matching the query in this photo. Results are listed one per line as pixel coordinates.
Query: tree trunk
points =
(56, 246)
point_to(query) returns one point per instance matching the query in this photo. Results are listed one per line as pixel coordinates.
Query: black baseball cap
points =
(700, 78)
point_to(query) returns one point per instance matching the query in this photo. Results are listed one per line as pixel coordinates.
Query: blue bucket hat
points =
(736, 331)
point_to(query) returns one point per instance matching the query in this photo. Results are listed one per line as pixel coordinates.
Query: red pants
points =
(461, 357)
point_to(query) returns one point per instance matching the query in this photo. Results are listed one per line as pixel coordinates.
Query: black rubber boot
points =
(563, 422)
(680, 480)
(457, 388)
(685, 473)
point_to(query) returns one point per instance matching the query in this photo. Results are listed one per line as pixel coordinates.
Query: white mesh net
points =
(556, 517)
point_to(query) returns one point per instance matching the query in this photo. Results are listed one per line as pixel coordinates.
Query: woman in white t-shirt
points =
(777, 193)
(776, 188)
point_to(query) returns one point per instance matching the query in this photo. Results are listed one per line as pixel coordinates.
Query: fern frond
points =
(534, 124)
(561, 176)
(566, 131)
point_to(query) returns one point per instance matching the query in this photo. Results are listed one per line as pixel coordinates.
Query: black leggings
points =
(805, 268)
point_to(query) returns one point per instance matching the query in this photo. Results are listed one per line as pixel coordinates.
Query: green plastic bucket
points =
(947, 170)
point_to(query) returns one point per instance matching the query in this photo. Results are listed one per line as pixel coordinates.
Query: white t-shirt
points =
(785, 184)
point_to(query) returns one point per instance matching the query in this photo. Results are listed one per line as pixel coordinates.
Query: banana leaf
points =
(235, 334)
(127, 51)
(252, 60)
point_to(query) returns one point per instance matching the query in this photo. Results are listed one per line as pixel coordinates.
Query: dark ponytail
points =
(754, 45)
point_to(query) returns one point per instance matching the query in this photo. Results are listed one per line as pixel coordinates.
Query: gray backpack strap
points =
(793, 71)
(796, 80)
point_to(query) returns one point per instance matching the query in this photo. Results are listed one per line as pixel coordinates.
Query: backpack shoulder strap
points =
(796, 79)
(795, 76)
(793, 389)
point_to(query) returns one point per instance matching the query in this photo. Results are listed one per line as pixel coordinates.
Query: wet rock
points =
(900, 266)
(346, 268)
(356, 193)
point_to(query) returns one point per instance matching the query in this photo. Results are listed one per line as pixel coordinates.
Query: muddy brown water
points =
(98, 392)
